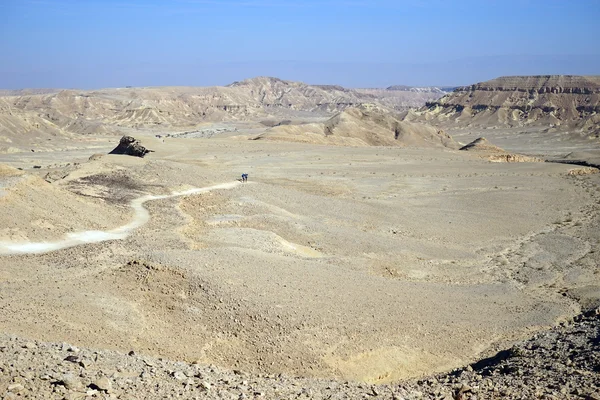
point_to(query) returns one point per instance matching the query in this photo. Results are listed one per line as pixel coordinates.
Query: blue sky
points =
(355, 43)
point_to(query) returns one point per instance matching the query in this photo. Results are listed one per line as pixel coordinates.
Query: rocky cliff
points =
(561, 102)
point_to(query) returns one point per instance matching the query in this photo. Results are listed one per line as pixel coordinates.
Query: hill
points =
(560, 102)
(44, 211)
(28, 116)
(364, 126)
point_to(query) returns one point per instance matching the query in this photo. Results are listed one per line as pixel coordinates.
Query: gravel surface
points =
(334, 264)
(562, 363)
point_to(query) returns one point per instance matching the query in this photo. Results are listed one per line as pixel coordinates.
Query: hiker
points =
(244, 177)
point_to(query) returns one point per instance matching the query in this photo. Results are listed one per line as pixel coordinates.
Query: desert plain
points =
(343, 261)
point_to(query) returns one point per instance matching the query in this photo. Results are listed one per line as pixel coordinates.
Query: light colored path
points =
(141, 216)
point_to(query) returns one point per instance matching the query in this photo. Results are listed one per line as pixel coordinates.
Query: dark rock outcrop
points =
(494, 153)
(482, 144)
(131, 147)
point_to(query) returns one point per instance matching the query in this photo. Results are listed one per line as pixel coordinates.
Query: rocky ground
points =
(563, 363)
(334, 264)
(338, 272)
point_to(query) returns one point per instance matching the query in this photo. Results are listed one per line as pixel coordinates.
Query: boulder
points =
(131, 147)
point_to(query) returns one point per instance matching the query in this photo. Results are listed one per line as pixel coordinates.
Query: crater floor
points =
(365, 264)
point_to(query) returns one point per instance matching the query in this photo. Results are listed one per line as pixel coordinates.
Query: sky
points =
(90, 44)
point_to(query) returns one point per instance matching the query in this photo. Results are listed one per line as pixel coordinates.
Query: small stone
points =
(70, 382)
(102, 383)
(73, 359)
(464, 388)
(180, 376)
(30, 345)
(15, 387)
(205, 385)
(74, 396)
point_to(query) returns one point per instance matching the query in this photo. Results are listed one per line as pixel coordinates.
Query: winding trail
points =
(140, 218)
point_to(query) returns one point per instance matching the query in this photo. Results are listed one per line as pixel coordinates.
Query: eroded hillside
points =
(38, 116)
(560, 102)
(363, 126)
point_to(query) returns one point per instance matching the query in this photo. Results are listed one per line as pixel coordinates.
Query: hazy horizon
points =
(353, 43)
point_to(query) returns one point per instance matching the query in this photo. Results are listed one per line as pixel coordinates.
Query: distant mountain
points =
(560, 102)
(25, 92)
(49, 113)
(427, 89)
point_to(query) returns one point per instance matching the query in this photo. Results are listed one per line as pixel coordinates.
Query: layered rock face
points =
(561, 102)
